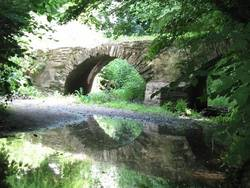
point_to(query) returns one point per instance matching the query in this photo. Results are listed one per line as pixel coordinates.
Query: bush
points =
(119, 81)
(169, 106)
(219, 102)
(16, 79)
(4, 165)
(7, 168)
(181, 106)
(28, 91)
(122, 80)
(98, 98)
(54, 174)
(124, 94)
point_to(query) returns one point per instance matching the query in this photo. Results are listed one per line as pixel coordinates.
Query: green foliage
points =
(4, 166)
(17, 19)
(40, 166)
(18, 78)
(122, 80)
(8, 79)
(98, 98)
(7, 167)
(220, 102)
(181, 106)
(54, 174)
(119, 81)
(130, 178)
(169, 106)
(124, 131)
(28, 91)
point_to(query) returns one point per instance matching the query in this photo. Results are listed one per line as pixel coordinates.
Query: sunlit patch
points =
(55, 168)
(106, 176)
(121, 130)
(22, 150)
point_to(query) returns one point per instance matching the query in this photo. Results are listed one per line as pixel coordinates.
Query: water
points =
(104, 152)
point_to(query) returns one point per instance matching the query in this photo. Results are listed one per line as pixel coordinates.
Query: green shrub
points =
(28, 91)
(123, 94)
(181, 106)
(129, 178)
(169, 106)
(219, 102)
(7, 167)
(123, 81)
(101, 97)
(4, 166)
(98, 98)
(16, 79)
(60, 175)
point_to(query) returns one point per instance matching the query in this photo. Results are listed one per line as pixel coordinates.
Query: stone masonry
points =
(68, 69)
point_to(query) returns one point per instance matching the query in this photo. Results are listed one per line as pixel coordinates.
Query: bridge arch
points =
(68, 69)
(83, 74)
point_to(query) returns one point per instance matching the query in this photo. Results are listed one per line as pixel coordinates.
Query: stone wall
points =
(166, 70)
(165, 65)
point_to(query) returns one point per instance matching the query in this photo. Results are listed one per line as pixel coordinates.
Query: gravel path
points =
(33, 114)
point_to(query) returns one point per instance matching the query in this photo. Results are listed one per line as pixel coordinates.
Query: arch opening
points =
(83, 74)
(105, 68)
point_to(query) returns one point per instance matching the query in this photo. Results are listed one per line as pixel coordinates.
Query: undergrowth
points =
(108, 99)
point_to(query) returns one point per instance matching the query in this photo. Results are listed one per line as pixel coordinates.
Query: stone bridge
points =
(68, 69)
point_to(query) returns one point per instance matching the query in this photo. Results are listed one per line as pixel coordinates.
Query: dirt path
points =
(33, 114)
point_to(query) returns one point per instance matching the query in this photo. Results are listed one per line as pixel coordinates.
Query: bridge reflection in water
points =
(146, 148)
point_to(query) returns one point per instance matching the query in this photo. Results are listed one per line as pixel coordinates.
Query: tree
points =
(16, 19)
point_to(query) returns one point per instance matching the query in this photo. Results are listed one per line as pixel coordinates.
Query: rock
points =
(151, 88)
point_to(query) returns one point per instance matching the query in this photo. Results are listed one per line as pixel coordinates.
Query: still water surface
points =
(104, 152)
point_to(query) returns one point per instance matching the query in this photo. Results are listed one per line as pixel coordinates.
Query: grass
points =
(29, 91)
(121, 104)
(108, 100)
(58, 174)
(220, 102)
(138, 107)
